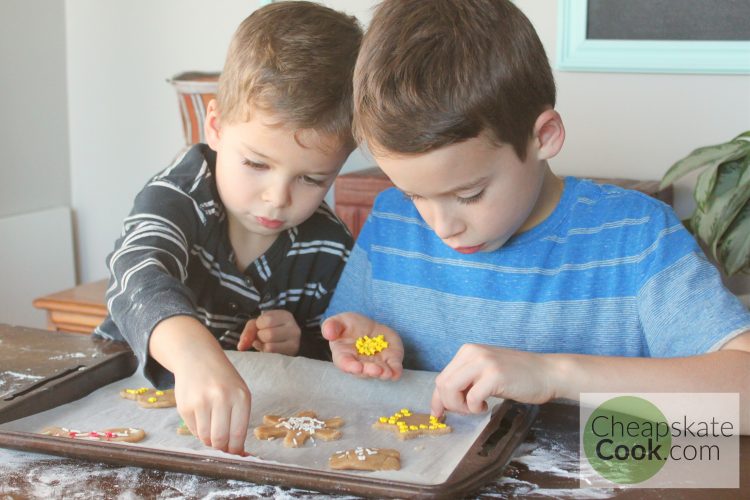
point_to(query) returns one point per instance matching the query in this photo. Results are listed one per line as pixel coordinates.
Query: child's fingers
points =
(274, 318)
(248, 336)
(332, 328)
(203, 426)
(220, 415)
(373, 370)
(346, 361)
(394, 363)
(238, 429)
(436, 405)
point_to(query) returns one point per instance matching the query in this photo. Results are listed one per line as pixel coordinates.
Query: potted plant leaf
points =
(721, 219)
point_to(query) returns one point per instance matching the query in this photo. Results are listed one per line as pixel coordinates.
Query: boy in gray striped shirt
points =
(233, 246)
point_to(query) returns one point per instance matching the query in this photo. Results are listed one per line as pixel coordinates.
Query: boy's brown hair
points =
(296, 60)
(430, 74)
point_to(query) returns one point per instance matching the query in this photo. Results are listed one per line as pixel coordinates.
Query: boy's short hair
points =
(296, 60)
(430, 74)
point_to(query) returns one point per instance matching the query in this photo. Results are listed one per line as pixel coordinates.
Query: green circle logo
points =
(627, 440)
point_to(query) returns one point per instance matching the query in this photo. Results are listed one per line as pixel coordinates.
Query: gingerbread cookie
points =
(369, 459)
(150, 398)
(408, 425)
(125, 434)
(298, 429)
(183, 429)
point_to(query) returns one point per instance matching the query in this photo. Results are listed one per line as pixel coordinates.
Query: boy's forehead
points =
(450, 168)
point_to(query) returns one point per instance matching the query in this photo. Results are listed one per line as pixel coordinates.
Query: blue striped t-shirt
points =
(610, 272)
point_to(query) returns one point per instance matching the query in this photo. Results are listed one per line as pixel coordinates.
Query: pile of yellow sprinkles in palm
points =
(367, 346)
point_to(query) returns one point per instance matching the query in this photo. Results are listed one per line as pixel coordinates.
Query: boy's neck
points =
(549, 197)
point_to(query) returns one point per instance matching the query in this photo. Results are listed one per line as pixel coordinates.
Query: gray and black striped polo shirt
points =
(174, 258)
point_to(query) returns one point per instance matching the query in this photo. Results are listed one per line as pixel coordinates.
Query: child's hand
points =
(214, 403)
(477, 372)
(212, 398)
(342, 332)
(272, 331)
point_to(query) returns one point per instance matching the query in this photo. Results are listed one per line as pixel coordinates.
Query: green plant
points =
(721, 219)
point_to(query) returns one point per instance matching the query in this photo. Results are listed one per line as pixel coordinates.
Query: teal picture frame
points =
(575, 52)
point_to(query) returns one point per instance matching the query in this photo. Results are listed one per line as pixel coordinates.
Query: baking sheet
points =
(284, 385)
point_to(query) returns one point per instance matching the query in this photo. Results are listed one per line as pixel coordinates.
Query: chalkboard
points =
(654, 36)
(721, 20)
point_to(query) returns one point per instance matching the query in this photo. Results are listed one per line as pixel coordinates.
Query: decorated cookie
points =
(126, 434)
(298, 429)
(367, 346)
(408, 425)
(150, 398)
(183, 429)
(370, 459)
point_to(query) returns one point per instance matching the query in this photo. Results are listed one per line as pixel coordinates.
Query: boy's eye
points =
(311, 181)
(254, 164)
(471, 199)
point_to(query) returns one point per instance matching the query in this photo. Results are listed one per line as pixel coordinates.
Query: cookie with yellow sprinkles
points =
(407, 425)
(151, 398)
(370, 346)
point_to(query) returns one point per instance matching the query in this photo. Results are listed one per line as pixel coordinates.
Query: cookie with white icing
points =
(298, 429)
(367, 459)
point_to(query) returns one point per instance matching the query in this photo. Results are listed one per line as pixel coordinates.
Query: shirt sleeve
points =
(148, 268)
(683, 305)
(353, 291)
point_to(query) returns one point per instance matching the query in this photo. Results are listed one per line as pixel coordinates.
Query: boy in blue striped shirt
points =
(509, 280)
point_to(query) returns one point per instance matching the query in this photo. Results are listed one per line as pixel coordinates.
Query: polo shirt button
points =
(233, 306)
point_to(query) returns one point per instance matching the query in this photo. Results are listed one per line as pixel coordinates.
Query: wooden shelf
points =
(77, 310)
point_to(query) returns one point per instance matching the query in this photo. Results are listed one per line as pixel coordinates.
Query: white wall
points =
(124, 120)
(36, 255)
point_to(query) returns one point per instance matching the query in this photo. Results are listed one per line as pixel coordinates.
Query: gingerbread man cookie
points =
(150, 398)
(369, 459)
(298, 429)
(408, 425)
(125, 434)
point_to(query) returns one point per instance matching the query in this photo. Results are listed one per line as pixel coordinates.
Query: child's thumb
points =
(248, 336)
(332, 329)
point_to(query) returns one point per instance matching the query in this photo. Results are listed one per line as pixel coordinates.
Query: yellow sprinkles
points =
(403, 427)
(137, 391)
(370, 346)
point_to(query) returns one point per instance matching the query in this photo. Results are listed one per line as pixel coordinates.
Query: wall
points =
(124, 122)
(36, 255)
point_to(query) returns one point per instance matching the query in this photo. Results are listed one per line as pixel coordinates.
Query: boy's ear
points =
(212, 125)
(549, 134)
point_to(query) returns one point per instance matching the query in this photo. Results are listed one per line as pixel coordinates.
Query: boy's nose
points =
(445, 224)
(277, 195)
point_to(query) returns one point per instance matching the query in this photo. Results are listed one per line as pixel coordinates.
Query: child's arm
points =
(212, 398)
(343, 330)
(478, 372)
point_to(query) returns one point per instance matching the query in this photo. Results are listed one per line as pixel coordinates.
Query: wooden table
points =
(545, 466)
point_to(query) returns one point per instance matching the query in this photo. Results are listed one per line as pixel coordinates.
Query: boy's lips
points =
(269, 223)
(473, 249)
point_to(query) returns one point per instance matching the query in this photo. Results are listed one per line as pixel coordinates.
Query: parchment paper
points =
(284, 385)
